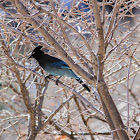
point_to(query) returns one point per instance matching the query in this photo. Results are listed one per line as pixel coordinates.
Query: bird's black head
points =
(36, 52)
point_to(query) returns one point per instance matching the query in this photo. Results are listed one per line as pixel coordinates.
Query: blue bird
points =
(54, 66)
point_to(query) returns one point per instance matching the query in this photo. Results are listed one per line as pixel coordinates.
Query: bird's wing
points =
(60, 64)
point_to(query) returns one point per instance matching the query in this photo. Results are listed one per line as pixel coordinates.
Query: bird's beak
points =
(30, 56)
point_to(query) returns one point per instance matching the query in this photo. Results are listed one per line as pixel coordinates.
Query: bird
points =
(54, 66)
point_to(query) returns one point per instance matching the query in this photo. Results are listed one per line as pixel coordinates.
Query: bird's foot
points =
(57, 80)
(48, 76)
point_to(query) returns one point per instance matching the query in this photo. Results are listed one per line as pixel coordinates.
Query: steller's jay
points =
(54, 66)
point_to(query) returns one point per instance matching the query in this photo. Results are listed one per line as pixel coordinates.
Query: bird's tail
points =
(84, 85)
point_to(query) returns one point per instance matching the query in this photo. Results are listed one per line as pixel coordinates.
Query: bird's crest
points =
(38, 48)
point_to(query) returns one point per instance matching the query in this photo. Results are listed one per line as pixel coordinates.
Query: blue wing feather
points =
(60, 64)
